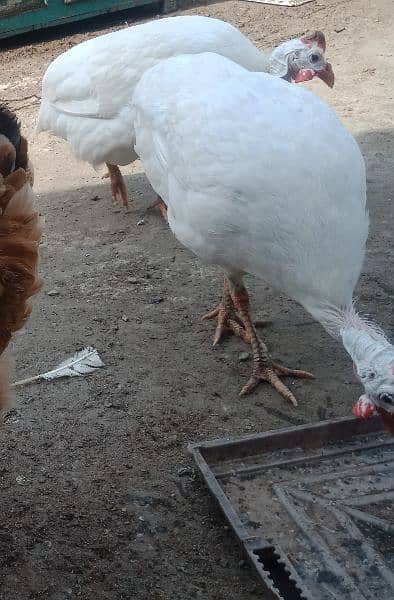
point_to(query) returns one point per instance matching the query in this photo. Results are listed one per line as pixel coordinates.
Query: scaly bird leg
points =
(162, 206)
(228, 320)
(225, 312)
(118, 186)
(264, 369)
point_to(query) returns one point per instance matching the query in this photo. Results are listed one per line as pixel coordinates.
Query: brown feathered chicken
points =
(13, 146)
(20, 233)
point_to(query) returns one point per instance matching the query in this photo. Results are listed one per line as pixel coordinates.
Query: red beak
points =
(327, 75)
(304, 75)
(365, 409)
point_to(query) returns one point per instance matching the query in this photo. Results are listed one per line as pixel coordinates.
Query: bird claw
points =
(286, 372)
(162, 207)
(227, 322)
(271, 375)
(221, 313)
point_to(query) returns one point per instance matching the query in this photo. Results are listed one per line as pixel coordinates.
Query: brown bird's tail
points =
(20, 233)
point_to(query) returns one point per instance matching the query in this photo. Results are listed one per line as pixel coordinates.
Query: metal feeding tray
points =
(312, 507)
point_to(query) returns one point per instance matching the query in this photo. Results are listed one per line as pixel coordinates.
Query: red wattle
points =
(364, 409)
(304, 75)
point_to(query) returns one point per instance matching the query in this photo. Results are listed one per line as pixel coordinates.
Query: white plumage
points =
(86, 91)
(261, 159)
(260, 177)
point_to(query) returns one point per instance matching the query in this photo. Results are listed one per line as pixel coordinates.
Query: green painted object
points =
(20, 16)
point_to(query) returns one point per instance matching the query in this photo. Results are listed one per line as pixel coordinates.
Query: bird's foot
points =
(162, 206)
(228, 320)
(271, 373)
(264, 368)
(118, 187)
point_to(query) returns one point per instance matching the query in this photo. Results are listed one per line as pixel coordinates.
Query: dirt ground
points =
(99, 498)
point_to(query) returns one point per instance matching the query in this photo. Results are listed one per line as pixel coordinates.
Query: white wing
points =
(94, 81)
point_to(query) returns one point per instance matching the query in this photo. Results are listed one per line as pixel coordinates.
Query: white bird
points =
(86, 91)
(261, 177)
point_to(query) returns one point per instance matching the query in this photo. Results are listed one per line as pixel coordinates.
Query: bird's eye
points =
(386, 399)
(315, 58)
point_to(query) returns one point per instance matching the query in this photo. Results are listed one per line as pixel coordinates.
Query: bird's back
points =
(260, 176)
(95, 79)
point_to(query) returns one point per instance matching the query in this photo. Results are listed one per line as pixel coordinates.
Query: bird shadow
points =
(377, 148)
(375, 290)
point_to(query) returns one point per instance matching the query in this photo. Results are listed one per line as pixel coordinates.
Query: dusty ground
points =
(94, 502)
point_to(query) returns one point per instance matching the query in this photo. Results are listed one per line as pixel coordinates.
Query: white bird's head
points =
(377, 377)
(373, 357)
(302, 59)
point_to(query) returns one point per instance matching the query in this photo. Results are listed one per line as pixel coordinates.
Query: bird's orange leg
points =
(118, 186)
(162, 206)
(225, 313)
(227, 318)
(264, 369)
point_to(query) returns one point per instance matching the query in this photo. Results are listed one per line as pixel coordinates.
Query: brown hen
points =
(20, 233)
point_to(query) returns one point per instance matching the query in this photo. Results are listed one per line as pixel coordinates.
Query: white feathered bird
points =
(86, 91)
(261, 177)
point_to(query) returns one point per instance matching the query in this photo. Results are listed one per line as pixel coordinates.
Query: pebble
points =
(243, 356)
(53, 293)
(185, 472)
(157, 300)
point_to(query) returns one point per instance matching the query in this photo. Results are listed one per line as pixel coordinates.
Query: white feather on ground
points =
(83, 362)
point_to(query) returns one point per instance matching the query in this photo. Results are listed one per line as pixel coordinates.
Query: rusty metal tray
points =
(312, 507)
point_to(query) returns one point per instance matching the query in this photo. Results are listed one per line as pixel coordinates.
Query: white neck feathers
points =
(365, 343)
